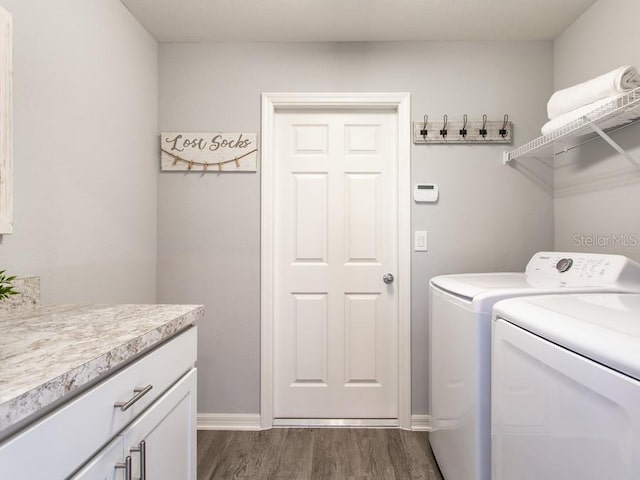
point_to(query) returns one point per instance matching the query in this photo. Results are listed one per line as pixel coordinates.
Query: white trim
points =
(228, 421)
(335, 422)
(6, 123)
(421, 423)
(401, 102)
(404, 261)
(266, 261)
(251, 422)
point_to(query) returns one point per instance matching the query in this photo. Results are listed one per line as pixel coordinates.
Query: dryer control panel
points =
(585, 268)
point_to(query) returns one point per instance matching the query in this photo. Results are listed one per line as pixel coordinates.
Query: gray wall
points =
(85, 151)
(598, 192)
(489, 217)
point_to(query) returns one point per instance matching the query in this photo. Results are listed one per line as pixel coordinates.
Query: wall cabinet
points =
(137, 423)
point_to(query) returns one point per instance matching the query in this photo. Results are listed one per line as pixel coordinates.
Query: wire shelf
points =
(621, 111)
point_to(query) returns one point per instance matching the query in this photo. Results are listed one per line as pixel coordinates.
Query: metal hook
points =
(463, 132)
(483, 130)
(443, 132)
(503, 130)
(424, 131)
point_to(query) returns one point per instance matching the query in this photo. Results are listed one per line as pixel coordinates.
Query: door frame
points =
(400, 103)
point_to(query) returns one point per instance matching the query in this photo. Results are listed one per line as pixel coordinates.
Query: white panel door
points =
(336, 321)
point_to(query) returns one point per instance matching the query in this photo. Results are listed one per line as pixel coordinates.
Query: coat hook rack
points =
(467, 131)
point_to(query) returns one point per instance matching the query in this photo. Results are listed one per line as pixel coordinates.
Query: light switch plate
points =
(420, 241)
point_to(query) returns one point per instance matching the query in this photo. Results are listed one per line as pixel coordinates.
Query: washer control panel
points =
(584, 268)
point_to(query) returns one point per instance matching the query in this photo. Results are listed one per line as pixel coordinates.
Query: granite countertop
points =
(49, 352)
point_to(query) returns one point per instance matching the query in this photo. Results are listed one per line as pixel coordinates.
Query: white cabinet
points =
(163, 438)
(86, 437)
(160, 445)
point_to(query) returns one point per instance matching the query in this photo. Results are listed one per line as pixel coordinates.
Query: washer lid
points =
(483, 290)
(470, 285)
(603, 327)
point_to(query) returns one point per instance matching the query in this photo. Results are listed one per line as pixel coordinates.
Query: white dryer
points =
(566, 388)
(460, 345)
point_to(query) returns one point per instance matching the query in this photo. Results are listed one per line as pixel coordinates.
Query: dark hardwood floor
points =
(316, 453)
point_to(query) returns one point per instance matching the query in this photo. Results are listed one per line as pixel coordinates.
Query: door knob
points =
(387, 278)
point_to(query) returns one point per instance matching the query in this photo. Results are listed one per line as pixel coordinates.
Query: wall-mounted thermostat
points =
(425, 192)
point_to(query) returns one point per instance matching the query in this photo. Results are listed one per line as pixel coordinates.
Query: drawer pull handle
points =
(142, 448)
(139, 393)
(126, 466)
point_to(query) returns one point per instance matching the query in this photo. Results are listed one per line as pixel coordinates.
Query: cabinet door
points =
(162, 442)
(103, 465)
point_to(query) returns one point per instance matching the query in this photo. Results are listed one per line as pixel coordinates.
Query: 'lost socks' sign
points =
(209, 152)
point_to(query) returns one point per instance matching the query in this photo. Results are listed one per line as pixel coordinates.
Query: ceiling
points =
(354, 20)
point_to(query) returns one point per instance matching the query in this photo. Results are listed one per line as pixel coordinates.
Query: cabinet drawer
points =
(59, 443)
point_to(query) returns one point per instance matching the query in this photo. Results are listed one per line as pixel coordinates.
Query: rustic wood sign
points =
(209, 152)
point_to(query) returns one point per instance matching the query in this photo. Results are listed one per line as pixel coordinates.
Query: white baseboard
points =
(251, 421)
(335, 423)
(421, 423)
(229, 421)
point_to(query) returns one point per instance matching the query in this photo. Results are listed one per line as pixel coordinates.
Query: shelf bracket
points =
(614, 145)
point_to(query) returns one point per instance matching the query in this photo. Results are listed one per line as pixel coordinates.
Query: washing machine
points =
(460, 345)
(566, 388)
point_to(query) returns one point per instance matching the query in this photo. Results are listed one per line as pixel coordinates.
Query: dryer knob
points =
(564, 264)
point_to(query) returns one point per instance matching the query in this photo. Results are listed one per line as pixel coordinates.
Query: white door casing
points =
(335, 219)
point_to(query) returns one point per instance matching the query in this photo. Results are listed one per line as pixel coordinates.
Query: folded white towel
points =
(573, 115)
(616, 81)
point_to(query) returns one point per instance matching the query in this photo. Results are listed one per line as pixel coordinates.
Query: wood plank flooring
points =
(316, 454)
